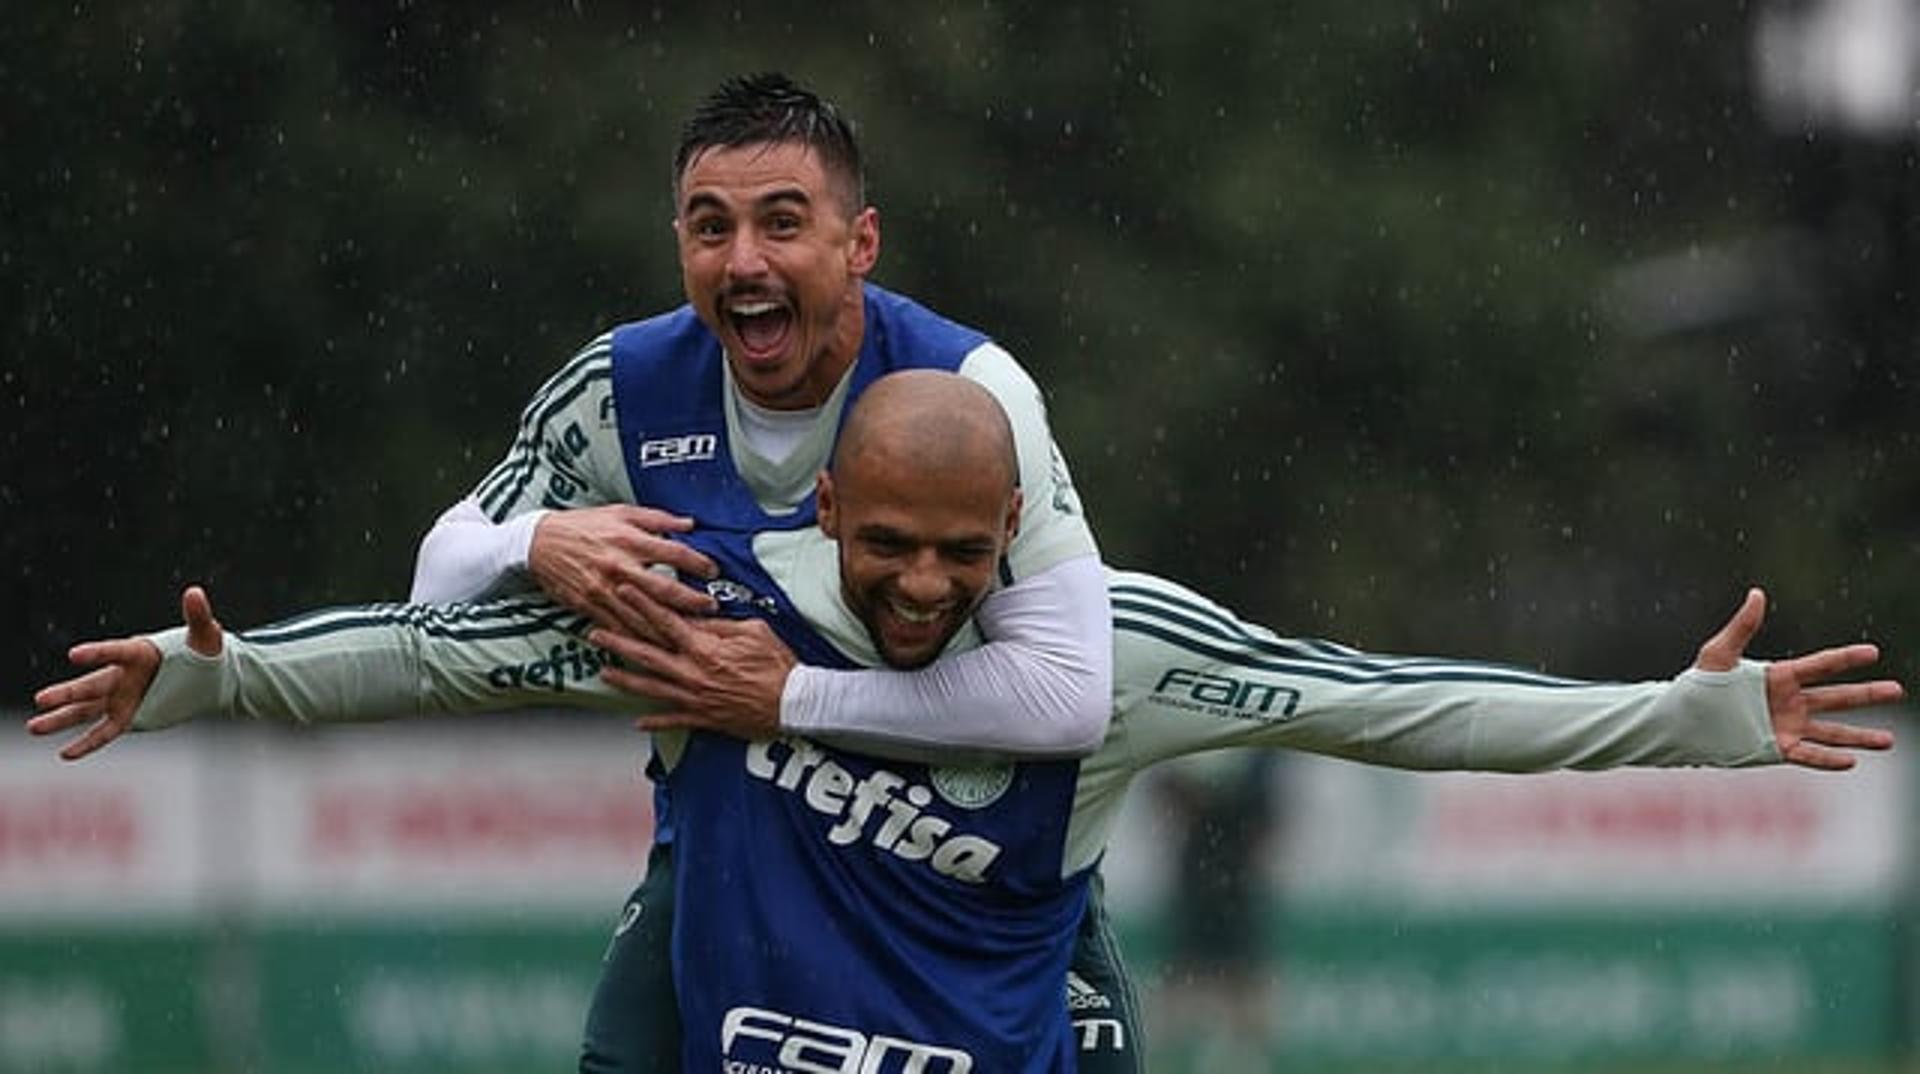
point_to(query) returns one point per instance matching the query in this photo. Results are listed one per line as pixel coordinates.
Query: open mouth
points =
(762, 326)
(914, 616)
(910, 634)
(914, 628)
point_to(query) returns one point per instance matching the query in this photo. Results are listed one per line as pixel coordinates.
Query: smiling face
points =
(772, 255)
(923, 502)
(916, 556)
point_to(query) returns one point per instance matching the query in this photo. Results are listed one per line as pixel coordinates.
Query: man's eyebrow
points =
(790, 193)
(698, 201)
(703, 200)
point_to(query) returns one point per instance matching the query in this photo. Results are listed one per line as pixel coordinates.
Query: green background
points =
(1582, 990)
(1327, 296)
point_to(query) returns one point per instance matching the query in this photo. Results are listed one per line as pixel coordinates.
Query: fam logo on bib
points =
(972, 786)
(673, 450)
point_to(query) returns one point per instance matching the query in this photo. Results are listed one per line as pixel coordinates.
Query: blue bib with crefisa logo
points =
(836, 911)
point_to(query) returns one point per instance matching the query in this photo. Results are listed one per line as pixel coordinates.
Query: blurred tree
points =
(1328, 296)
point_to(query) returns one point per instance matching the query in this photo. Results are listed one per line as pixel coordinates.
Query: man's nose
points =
(746, 257)
(923, 582)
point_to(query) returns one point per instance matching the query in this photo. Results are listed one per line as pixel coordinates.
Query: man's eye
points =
(783, 224)
(709, 228)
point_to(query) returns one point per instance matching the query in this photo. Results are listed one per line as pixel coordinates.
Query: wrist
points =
(516, 540)
(797, 699)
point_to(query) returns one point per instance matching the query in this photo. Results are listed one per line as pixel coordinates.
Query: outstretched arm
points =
(366, 662)
(1192, 676)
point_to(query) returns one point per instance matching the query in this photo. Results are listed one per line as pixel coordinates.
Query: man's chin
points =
(775, 374)
(908, 659)
(771, 379)
(761, 365)
(907, 646)
(915, 651)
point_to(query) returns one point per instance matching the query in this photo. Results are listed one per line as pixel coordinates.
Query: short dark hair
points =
(770, 108)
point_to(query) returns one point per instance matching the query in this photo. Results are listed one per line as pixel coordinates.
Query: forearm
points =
(1192, 676)
(466, 555)
(1716, 719)
(1042, 686)
(380, 662)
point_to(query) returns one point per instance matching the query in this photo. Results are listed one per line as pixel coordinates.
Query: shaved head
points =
(923, 498)
(938, 425)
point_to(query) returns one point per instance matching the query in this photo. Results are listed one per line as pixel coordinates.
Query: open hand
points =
(1800, 690)
(109, 695)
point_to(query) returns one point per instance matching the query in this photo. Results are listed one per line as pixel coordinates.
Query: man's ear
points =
(865, 248)
(1013, 516)
(824, 506)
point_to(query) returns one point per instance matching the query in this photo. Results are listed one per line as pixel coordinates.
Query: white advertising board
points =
(539, 813)
(543, 813)
(1651, 835)
(1346, 832)
(121, 832)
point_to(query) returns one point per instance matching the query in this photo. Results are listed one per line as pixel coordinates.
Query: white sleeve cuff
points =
(516, 540)
(467, 555)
